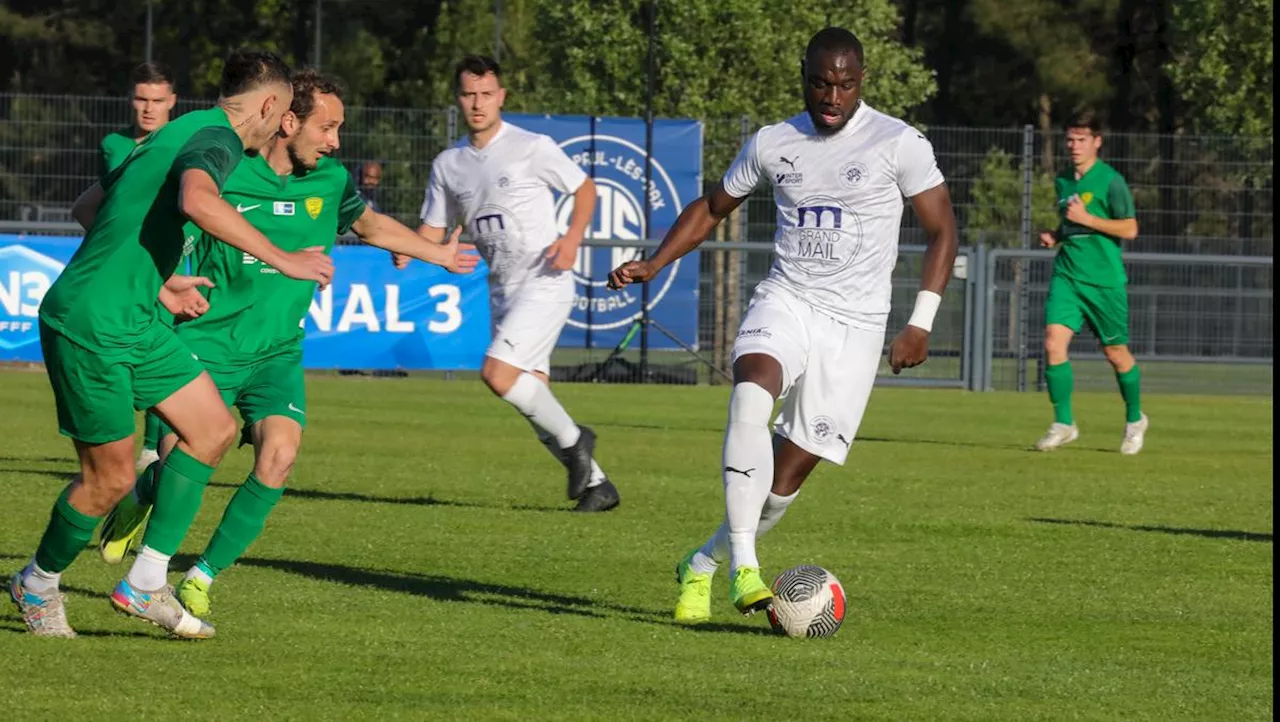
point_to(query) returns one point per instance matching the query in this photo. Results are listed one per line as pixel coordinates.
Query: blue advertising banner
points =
(372, 317)
(611, 151)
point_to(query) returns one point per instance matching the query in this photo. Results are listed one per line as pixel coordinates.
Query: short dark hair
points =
(248, 69)
(834, 40)
(1086, 119)
(150, 73)
(306, 83)
(476, 65)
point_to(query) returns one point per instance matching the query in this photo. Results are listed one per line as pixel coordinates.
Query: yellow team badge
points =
(1084, 198)
(314, 206)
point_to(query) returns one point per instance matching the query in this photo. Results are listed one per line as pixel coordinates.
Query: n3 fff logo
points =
(25, 277)
(617, 167)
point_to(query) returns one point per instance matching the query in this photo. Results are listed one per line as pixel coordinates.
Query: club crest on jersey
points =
(617, 166)
(822, 429)
(1086, 197)
(282, 208)
(314, 206)
(853, 174)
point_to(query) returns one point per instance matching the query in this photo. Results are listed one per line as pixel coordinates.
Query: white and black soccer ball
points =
(808, 601)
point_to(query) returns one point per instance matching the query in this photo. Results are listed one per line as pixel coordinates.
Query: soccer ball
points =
(808, 601)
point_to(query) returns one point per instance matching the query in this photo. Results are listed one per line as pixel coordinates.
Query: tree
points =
(1222, 64)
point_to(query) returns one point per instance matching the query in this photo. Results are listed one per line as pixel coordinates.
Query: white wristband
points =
(927, 303)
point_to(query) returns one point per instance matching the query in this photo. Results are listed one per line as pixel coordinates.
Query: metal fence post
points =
(451, 124)
(1028, 176)
(977, 326)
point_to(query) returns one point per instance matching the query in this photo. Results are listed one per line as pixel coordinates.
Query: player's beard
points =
(300, 165)
(815, 115)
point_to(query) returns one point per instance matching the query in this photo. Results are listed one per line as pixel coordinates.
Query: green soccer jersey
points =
(1085, 255)
(116, 147)
(255, 312)
(106, 296)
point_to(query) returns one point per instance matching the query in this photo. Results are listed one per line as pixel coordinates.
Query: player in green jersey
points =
(1088, 282)
(250, 340)
(152, 97)
(107, 354)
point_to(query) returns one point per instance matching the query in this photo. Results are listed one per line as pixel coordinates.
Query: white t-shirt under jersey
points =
(502, 193)
(840, 201)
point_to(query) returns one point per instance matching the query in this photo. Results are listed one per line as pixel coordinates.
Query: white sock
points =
(716, 550)
(35, 579)
(149, 571)
(197, 573)
(748, 469)
(534, 399)
(549, 443)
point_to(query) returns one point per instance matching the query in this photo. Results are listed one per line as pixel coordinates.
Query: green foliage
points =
(995, 216)
(1223, 64)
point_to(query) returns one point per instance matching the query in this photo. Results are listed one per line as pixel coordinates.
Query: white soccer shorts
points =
(526, 321)
(828, 370)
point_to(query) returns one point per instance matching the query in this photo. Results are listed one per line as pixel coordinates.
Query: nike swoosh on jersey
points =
(296, 410)
(242, 209)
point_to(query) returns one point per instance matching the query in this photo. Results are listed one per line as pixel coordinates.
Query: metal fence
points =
(1201, 312)
(1194, 194)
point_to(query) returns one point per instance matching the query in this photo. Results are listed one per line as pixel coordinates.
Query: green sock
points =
(151, 431)
(1060, 380)
(145, 487)
(68, 533)
(1131, 389)
(179, 490)
(241, 524)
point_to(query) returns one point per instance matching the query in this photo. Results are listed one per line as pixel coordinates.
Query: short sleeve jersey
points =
(839, 204)
(503, 195)
(1085, 255)
(106, 296)
(255, 311)
(115, 148)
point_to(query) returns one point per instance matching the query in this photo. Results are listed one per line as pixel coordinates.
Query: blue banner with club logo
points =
(372, 317)
(612, 152)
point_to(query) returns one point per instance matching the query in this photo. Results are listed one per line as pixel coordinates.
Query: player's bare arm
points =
(933, 207)
(695, 223)
(1126, 229)
(85, 209)
(434, 234)
(564, 251)
(382, 231)
(199, 200)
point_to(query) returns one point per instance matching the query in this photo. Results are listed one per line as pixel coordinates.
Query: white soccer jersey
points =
(840, 207)
(502, 194)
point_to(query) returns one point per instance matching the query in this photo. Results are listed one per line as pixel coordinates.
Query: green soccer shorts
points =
(1106, 309)
(97, 389)
(272, 387)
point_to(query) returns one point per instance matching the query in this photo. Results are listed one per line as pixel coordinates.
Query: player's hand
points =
(309, 264)
(400, 260)
(909, 349)
(631, 272)
(1076, 212)
(564, 252)
(462, 258)
(179, 295)
(1047, 239)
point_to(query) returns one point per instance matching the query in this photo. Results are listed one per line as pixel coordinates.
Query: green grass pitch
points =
(423, 567)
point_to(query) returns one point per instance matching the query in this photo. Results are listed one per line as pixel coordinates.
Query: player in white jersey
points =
(498, 183)
(815, 329)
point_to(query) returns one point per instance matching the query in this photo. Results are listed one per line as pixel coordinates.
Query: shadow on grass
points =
(450, 589)
(317, 495)
(20, 628)
(1235, 534)
(60, 475)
